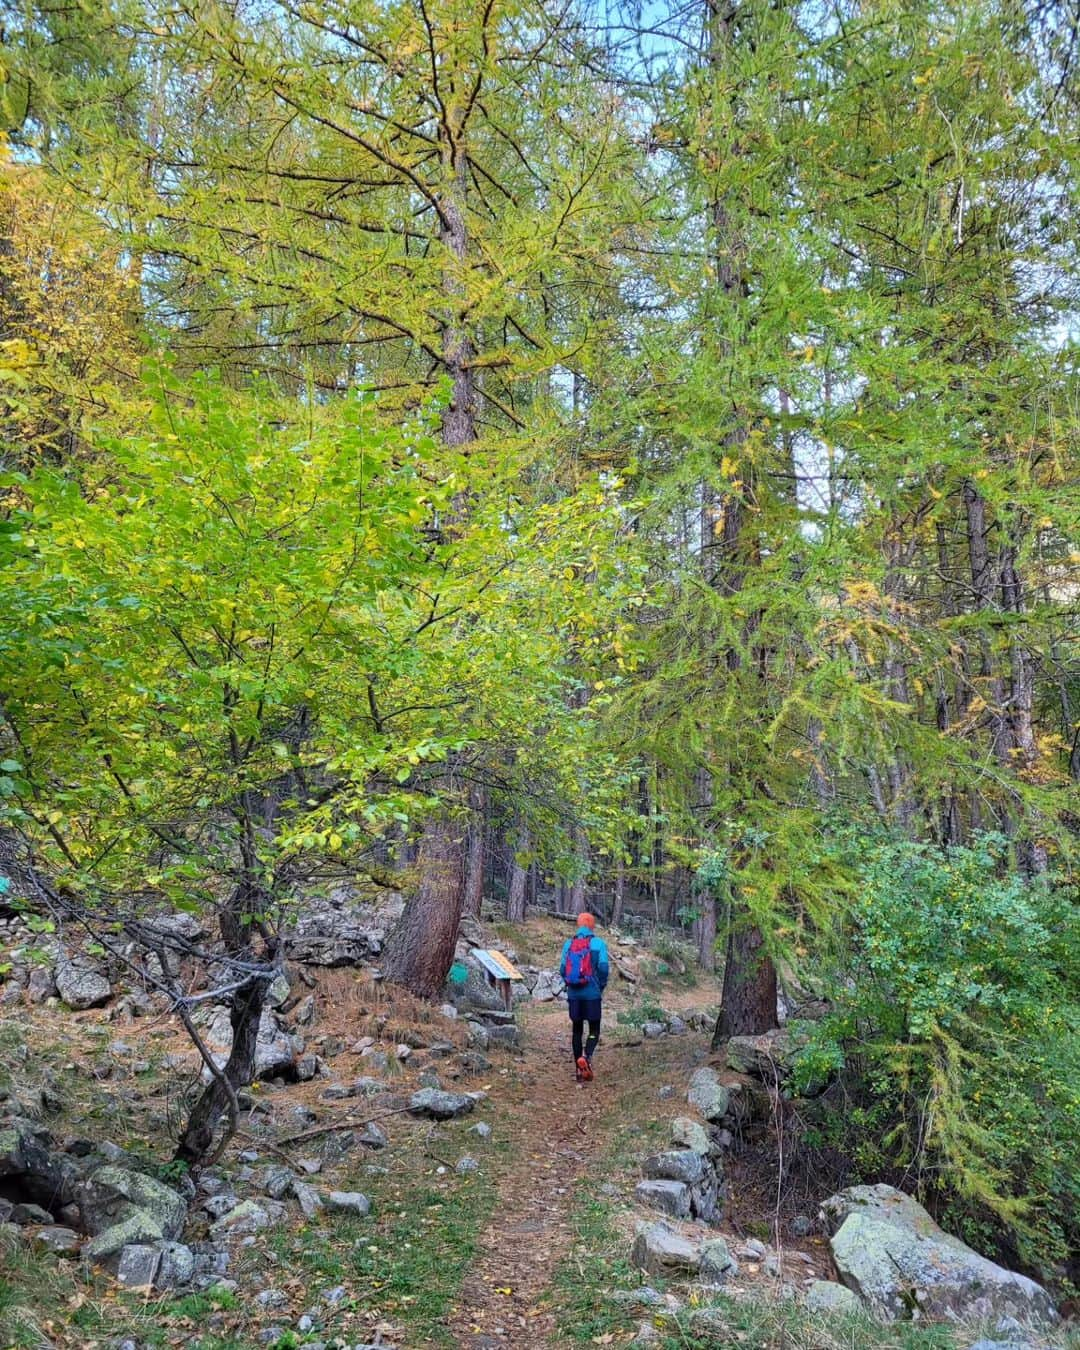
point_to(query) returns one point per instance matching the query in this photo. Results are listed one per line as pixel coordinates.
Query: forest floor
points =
(529, 1251)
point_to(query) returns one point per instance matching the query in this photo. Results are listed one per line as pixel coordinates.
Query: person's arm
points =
(603, 967)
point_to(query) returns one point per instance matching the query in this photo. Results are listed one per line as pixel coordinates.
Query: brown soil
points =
(557, 1128)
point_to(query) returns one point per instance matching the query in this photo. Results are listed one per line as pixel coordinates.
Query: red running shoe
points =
(584, 1069)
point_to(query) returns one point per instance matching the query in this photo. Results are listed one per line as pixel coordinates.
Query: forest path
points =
(556, 1129)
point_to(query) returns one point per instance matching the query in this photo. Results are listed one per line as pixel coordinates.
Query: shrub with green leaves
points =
(955, 1016)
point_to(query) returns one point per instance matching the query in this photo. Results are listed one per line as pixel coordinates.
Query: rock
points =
(373, 1136)
(652, 1030)
(676, 1026)
(348, 1202)
(893, 1255)
(825, 1296)
(681, 1164)
(717, 1262)
(666, 1092)
(376, 1059)
(548, 986)
(219, 1204)
(802, 1226)
(277, 1182)
(481, 1129)
(308, 1198)
(766, 1056)
(708, 1094)
(305, 1323)
(41, 984)
(754, 1250)
(689, 1134)
(61, 1241)
(310, 1166)
(668, 1197)
(138, 1229)
(438, 1105)
(276, 1050)
(661, 1251)
(465, 1165)
(137, 1266)
(307, 1068)
(27, 1161)
(506, 1036)
(28, 1213)
(647, 1334)
(111, 1194)
(1003, 1345)
(81, 982)
(448, 1010)
(278, 992)
(177, 1266)
(272, 1299)
(246, 1217)
(339, 930)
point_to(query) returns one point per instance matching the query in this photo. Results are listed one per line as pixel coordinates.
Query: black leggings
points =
(584, 1010)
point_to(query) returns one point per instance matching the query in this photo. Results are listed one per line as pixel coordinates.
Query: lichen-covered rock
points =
(276, 1049)
(708, 1094)
(246, 1217)
(137, 1266)
(81, 982)
(439, 1105)
(28, 1161)
(687, 1133)
(308, 1198)
(667, 1197)
(717, 1262)
(61, 1241)
(110, 1194)
(659, 1250)
(136, 1229)
(548, 986)
(177, 1267)
(826, 1296)
(766, 1056)
(896, 1258)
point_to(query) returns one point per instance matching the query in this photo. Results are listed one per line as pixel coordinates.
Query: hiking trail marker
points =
(500, 972)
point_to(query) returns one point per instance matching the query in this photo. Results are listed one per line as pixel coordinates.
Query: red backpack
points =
(578, 970)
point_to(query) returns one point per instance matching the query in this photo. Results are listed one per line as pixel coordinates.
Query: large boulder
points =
(31, 1169)
(113, 1194)
(81, 982)
(708, 1094)
(660, 1250)
(890, 1251)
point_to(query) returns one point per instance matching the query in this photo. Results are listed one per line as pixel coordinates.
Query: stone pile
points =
(686, 1180)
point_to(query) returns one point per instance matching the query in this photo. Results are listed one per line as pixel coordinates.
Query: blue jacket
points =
(601, 967)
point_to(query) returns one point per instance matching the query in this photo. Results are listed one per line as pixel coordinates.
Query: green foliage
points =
(642, 1010)
(956, 1012)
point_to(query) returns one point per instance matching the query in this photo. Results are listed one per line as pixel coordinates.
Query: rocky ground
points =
(410, 1176)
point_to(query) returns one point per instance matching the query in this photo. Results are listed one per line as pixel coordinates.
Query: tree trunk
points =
(617, 902)
(748, 1001)
(515, 895)
(474, 863)
(420, 950)
(244, 1015)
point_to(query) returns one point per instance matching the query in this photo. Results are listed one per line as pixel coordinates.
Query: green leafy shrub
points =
(955, 1014)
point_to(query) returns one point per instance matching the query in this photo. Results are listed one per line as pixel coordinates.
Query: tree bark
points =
(420, 950)
(244, 1015)
(748, 1001)
(515, 895)
(474, 863)
(618, 900)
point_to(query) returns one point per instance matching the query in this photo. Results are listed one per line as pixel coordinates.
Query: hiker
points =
(584, 968)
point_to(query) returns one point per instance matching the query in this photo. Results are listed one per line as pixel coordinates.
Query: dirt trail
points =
(556, 1128)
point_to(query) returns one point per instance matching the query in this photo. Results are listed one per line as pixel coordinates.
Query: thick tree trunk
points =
(748, 1001)
(420, 950)
(515, 895)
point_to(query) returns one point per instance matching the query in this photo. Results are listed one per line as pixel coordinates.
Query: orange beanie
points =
(586, 920)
